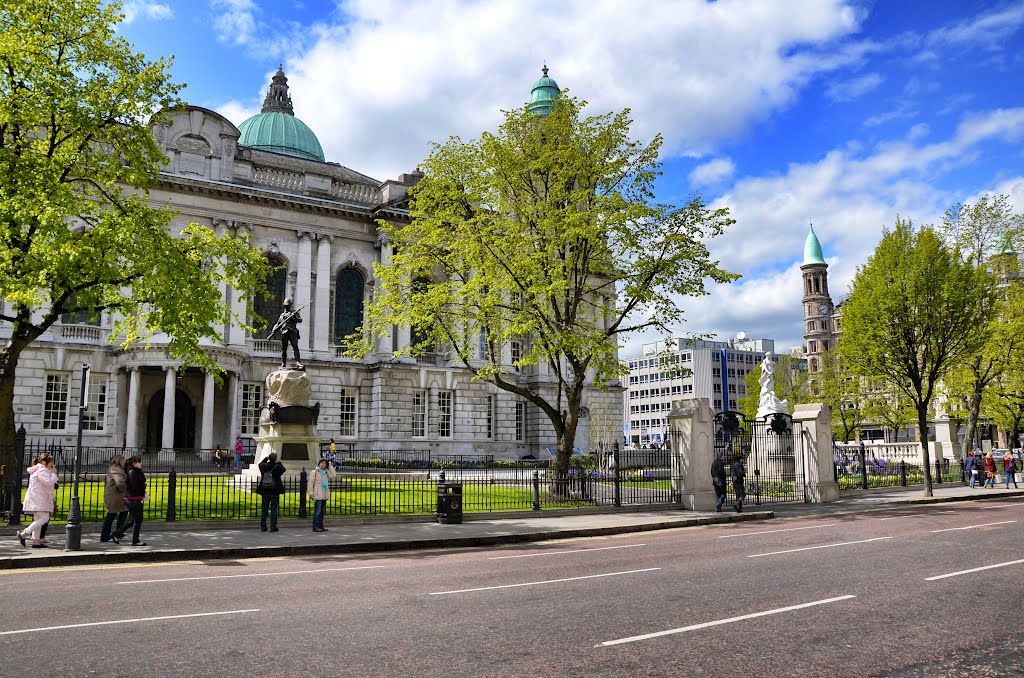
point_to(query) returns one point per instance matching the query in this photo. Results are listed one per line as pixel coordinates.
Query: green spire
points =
(812, 249)
(1006, 246)
(543, 95)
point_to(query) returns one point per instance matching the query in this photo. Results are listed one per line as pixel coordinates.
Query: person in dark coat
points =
(114, 488)
(135, 494)
(971, 468)
(271, 496)
(718, 481)
(739, 473)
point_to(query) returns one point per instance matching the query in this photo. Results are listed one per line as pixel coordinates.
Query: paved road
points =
(868, 594)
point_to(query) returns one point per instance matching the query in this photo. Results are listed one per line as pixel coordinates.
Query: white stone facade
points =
(318, 219)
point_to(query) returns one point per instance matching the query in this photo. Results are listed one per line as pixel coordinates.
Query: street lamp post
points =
(73, 531)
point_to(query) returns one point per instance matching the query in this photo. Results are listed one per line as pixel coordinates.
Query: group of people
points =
(738, 475)
(270, 487)
(985, 467)
(124, 492)
(223, 458)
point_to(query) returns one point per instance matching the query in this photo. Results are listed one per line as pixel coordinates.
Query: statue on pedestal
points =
(768, 403)
(288, 325)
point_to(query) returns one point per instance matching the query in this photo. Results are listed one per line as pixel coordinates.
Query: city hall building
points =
(316, 221)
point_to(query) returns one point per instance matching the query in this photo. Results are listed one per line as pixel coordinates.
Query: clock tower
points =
(819, 328)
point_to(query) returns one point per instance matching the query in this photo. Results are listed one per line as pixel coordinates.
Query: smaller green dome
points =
(812, 249)
(1006, 245)
(281, 133)
(545, 92)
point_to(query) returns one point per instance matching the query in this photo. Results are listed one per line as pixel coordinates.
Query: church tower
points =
(819, 332)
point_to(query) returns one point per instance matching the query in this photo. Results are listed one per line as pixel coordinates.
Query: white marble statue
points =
(769, 403)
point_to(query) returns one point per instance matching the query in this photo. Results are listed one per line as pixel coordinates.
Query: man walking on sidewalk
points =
(718, 481)
(739, 473)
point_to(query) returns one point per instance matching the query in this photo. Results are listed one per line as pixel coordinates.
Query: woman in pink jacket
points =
(39, 499)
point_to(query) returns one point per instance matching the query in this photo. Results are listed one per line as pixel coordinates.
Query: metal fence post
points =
(536, 490)
(302, 494)
(863, 467)
(618, 475)
(19, 454)
(172, 492)
(938, 471)
(903, 472)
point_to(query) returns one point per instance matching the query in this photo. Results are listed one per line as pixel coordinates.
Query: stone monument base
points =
(297, 447)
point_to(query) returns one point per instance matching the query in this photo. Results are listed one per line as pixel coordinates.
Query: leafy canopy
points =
(78, 233)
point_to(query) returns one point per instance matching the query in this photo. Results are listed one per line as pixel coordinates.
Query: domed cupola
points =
(277, 129)
(545, 92)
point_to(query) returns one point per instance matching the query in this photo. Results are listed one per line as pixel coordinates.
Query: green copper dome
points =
(812, 249)
(277, 129)
(545, 91)
(1006, 245)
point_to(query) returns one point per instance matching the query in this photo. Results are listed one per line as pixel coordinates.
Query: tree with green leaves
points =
(545, 234)
(791, 385)
(981, 231)
(916, 308)
(1003, 398)
(882, 403)
(841, 391)
(78, 233)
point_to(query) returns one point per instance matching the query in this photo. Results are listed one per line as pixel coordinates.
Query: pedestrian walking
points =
(39, 500)
(239, 448)
(971, 467)
(739, 473)
(135, 494)
(270, 488)
(1010, 469)
(319, 491)
(718, 481)
(115, 486)
(989, 464)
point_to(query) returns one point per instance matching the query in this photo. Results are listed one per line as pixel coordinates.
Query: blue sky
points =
(844, 113)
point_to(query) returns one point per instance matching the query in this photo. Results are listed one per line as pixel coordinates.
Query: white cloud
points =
(986, 31)
(712, 173)
(848, 90)
(396, 76)
(234, 20)
(157, 11)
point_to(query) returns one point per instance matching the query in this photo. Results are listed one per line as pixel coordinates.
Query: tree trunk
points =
(922, 424)
(566, 432)
(8, 363)
(973, 414)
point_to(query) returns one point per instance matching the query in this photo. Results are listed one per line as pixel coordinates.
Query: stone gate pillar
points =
(814, 454)
(692, 429)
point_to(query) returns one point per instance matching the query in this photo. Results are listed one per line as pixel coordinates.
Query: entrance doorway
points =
(184, 421)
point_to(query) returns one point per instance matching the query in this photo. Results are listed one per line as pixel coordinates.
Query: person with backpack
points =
(718, 481)
(319, 491)
(739, 473)
(270, 488)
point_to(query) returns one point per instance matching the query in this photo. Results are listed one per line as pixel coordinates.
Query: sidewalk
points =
(233, 540)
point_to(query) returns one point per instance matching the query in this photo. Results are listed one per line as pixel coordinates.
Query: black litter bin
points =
(449, 503)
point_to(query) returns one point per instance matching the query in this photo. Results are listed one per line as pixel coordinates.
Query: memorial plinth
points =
(287, 424)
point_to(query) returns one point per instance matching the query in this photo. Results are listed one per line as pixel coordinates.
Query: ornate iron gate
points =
(768, 449)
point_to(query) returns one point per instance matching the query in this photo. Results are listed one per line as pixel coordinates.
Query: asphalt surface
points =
(843, 594)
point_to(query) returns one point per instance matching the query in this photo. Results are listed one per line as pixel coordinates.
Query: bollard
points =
(19, 454)
(172, 493)
(302, 494)
(863, 471)
(903, 473)
(938, 471)
(536, 490)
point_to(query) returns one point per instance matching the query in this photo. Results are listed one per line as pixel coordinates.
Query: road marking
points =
(557, 553)
(125, 621)
(697, 627)
(976, 569)
(971, 527)
(823, 546)
(549, 581)
(788, 529)
(255, 574)
(992, 506)
(911, 515)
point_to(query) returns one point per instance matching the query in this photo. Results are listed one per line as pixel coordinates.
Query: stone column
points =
(131, 434)
(303, 270)
(206, 428)
(812, 432)
(322, 311)
(233, 382)
(170, 388)
(692, 423)
(239, 303)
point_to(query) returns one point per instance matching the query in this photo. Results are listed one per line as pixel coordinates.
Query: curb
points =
(114, 557)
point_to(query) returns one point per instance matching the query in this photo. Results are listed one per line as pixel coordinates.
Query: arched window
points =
(348, 303)
(418, 335)
(269, 308)
(82, 317)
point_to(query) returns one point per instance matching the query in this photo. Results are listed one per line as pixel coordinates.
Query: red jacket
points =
(989, 464)
(1009, 464)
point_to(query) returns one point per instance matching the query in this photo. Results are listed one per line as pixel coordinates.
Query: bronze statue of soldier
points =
(288, 325)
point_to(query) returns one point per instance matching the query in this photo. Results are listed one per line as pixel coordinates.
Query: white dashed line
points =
(125, 621)
(971, 527)
(537, 583)
(976, 569)
(788, 529)
(255, 574)
(823, 546)
(558, 553)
